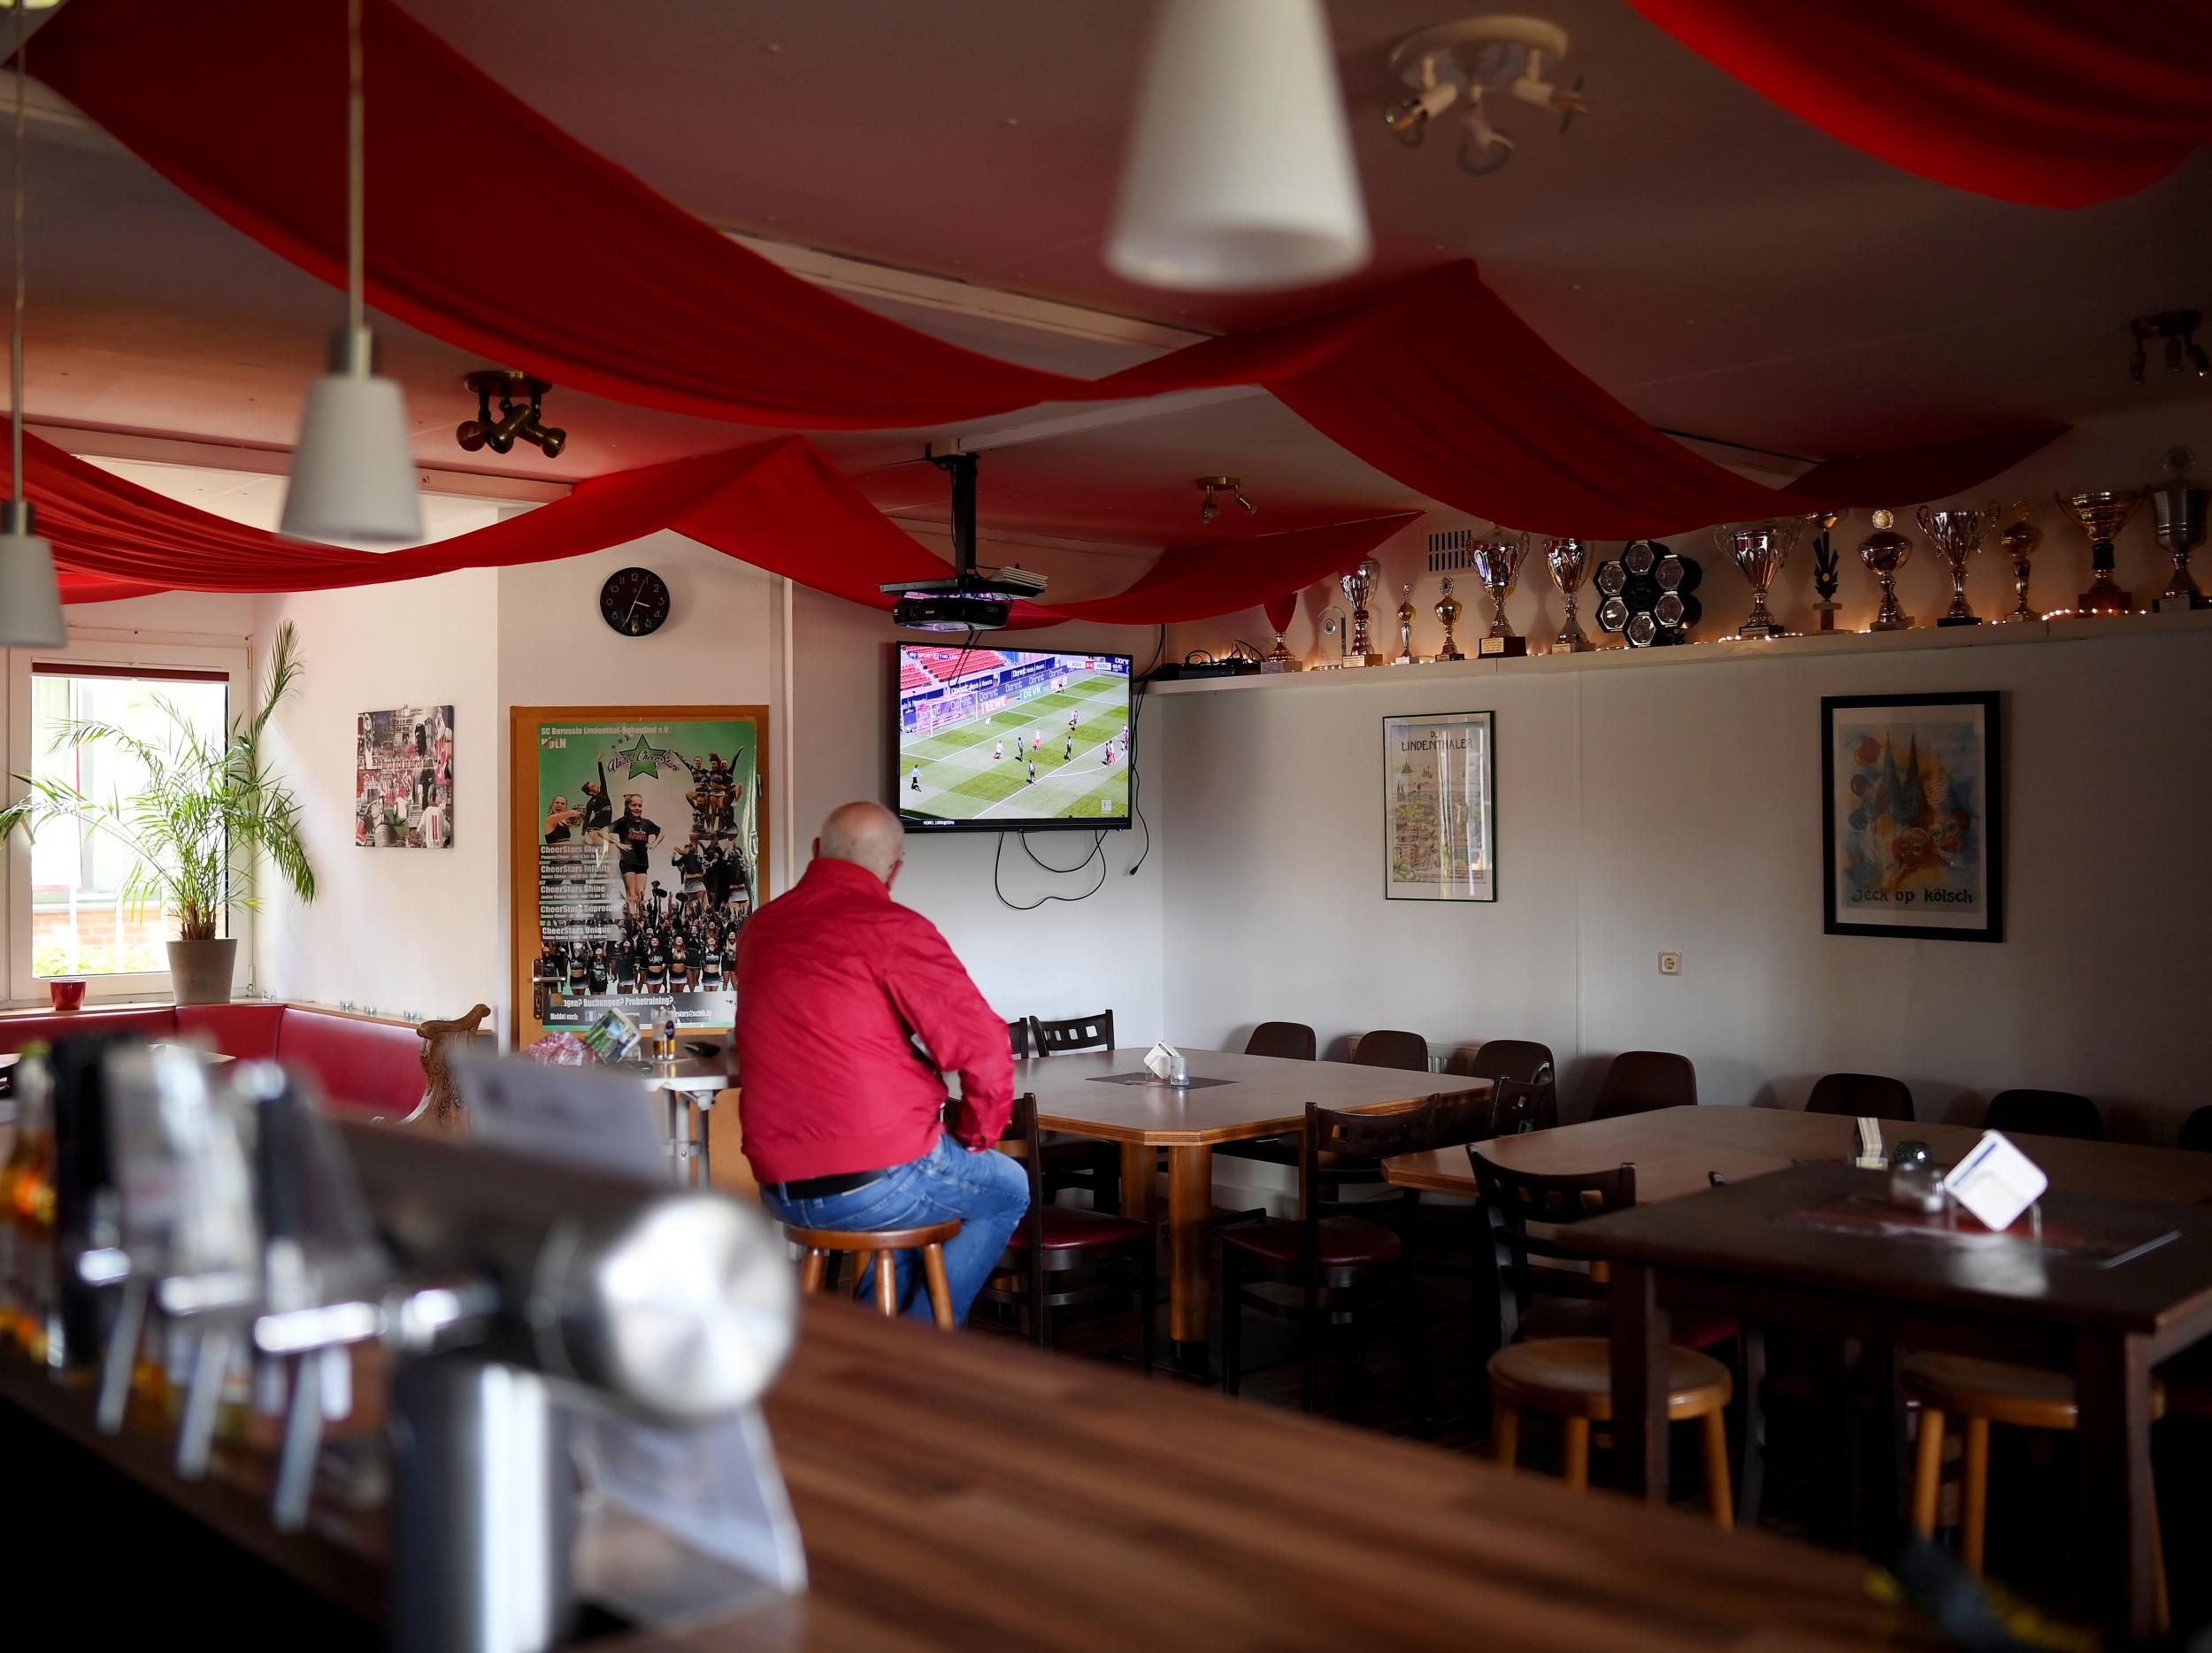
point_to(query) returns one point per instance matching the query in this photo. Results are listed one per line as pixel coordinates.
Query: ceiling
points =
(1721, 267)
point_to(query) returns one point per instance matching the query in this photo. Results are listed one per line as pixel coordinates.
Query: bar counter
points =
(959, 1493)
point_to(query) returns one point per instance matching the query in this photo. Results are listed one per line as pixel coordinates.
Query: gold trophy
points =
(1884, 552)
(1405, 627)
(1569, 563)
(2101, 514)
(1447, 611)
(2018, 539)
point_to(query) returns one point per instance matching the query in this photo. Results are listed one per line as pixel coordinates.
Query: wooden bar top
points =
(1674, 1148)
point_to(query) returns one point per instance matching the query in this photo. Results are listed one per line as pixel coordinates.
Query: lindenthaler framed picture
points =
(1440, 806)
(1911, 795)
(641, 840)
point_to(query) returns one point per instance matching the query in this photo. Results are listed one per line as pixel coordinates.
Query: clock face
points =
(634, 602)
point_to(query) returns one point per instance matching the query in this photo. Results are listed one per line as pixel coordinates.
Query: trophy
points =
(2180, 530)
(1498, 566)
(1405, 627)
(1759, 549)
(2101, 514)
(1569, 563)
(1279, 612)
(2018, 539)
(1957, 535)
(1448, 612)
(1827, 566)
(1884, 552)
(1359, 585)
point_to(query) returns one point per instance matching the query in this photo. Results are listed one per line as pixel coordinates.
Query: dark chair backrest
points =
(1860, 1096)
(1524, 1262)
(1077, 1032)
(1018, 1035)
(1392, 1047)
(1332, 1139)
(2045, 1114)
(1521, 1105)
(1640, 1081)
(2196, 1130)
(1517, 1059)
(1020, 1140)
(1292, 1041)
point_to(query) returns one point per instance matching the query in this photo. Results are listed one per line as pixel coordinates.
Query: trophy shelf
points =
(2075, 628)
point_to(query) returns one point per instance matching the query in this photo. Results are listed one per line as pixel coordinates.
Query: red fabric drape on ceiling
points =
(1435, 382)
(2052, 103)
(777, 504)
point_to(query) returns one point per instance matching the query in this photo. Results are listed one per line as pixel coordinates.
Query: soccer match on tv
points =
(999, 738)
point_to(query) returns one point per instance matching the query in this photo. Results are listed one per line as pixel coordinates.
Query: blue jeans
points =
(989, 1192)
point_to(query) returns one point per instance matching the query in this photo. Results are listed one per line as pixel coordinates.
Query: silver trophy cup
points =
(1570, 562)
(1956, 536)
(1498, 566)
(1759, 548)
(2180, 530)
(1359, 585)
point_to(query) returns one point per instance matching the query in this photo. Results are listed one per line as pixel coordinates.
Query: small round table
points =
(691, 1083)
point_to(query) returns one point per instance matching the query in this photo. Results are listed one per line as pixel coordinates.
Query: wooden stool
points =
(883, 1243)
(1572, 1377)
(1982, 1393)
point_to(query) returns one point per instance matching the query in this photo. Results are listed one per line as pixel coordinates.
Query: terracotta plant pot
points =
(67, 996)
(200, 971)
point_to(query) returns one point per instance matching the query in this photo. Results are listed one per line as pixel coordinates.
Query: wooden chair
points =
(882, 1246)
(1061, 1257)
(1290, 1042)
(1981, 1393)
(441, 1108)
(2196, 1130)
(1860, 1096)
(1642, 1082)
(2045, 1114)
(1077, 1032)
(1553, 1358)
(1338, 1264)
(1526, 1098)
(1392, 1047)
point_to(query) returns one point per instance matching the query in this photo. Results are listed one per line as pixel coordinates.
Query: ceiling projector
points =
(973, 599)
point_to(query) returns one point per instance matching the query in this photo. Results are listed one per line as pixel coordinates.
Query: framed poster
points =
(640, 843)
(1911, 786)
(402, 779)
(1440, 806)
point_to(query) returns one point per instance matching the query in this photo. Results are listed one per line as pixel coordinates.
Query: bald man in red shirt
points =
(851, 1009)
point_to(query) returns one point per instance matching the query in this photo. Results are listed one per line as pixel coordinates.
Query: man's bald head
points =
(866, 835)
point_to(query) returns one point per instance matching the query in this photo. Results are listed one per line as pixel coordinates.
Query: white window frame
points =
(152, 654)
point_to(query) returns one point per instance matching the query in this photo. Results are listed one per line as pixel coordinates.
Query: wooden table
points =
(1265, 1096)
(1733, 1250)
(1673, 1150)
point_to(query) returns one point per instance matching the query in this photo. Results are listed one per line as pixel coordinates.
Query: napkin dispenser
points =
(1166, 1063)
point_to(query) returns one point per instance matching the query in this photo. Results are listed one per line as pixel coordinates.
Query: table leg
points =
(702, 1108)
(1190, 1182)
(1640, 1331)
(2112, 1388)
(1138, 1175)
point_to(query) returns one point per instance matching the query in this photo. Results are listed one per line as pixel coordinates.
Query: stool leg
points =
(1927, 1475)
(1718, 1492)
(1505, 1431)
(1578, 1464)
(1975, 1526)
(939, 1288)
(888, 1283)
(2161, 1608)
(811, 1270)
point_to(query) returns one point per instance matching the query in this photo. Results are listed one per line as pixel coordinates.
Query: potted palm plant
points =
(198, 826)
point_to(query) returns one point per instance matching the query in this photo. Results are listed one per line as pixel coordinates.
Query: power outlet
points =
(1669, 963)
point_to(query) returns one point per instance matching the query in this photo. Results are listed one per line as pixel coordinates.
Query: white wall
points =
(1646, 806)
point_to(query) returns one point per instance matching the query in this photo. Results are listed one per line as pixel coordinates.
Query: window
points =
(82, 923)
(63, 900)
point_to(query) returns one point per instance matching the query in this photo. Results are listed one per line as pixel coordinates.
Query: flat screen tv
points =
(1012, 740)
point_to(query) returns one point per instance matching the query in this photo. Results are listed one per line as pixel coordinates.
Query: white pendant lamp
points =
(30, 600)
(353, 476)
(1239, 176)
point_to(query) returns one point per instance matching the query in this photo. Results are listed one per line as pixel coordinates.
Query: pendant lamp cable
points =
(356, 167)
(15, 490)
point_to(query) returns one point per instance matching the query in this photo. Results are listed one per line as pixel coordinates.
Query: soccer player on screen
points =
(914, 780)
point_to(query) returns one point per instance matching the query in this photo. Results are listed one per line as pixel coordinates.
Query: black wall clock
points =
(634, 601)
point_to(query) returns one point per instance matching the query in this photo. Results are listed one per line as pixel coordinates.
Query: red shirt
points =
(834, 978)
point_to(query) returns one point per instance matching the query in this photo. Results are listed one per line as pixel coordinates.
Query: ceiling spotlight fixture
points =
(516, 420)
(1212, 486)
(353, 477)
(1468, 59)
(2177, 330)
(1239, 173)
(30, 596)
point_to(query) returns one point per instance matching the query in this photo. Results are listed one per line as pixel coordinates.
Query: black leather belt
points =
(822, 1188)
